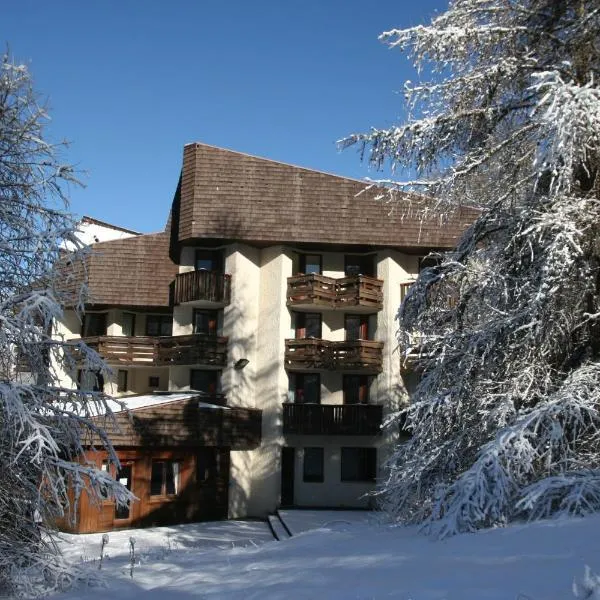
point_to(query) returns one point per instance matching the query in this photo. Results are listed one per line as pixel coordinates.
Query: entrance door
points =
(124, 476)
(288, 457)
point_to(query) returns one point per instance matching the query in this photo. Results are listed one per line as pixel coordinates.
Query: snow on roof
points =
(146, 400)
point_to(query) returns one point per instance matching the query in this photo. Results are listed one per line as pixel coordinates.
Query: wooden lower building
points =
(174, 455)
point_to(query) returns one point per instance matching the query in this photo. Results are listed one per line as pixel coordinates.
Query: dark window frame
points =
(363, 329)
(363, 462)
(164, 478)
(215, 257)
(98, 332)
(213, 321)
(214, 383)
(313, 475)
(133, 319)
(152, 379)
(299, 385)
(359, 394)
(161, 321)
(122, 385)
(301, 319)
(358, 262)
(302, 262)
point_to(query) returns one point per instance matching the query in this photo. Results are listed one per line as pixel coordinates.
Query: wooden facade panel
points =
(198, 498)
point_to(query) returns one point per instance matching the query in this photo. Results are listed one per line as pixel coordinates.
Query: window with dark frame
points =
(204, 380)
(122, 380)
(310, 263)
(153, 381)
(94, 324)
(164, 478)
(313, 465)
(90, 381)
(159, 325)
(128, 324)
(306, 388)
(208, 260)
(356, 388)
(308, 325)
(359, 464)
(357, 264)
(356, 327)
(206, 465)
(205, 321)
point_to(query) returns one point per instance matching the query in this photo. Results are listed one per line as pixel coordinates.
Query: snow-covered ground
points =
(351, 556)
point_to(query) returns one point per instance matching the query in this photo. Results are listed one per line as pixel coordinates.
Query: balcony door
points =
(208, 260)
(357, 327)
(306, 388)
(357, 264)
(94, 324)
(308, 325)
(356, 389)
(205, 322)
(204, 380)
(288, 472)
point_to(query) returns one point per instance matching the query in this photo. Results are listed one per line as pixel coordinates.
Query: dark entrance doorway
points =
(288, 456)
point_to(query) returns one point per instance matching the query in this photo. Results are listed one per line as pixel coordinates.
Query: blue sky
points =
(129, 83)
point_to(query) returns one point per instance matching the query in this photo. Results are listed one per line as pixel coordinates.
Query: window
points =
(356, 389)
(313, 465)
(431, 260)
(308, 325)
(153, 381)
(124, 477)
(208, 260)
(359, 464)
(206, 465)
(90, 381)
(306, 388)
(203, 380)
(164, 480)
(310, 263)
(157, 325)
(94, 324)
(205, 321)
(121, 380)
(128, 325)
(356, 264)
(357, 327)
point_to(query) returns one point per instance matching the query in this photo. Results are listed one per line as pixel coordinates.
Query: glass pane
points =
(351, 389)
(156, 479)
(94, 324)
(312, 388)
(122, 381)
(313, 465)
(313, 325)
(310, 263)
(128, 324)
(166, 325)
(124, 477)
(171, 478)
(152, 325)
(204, 381)
(352, 328)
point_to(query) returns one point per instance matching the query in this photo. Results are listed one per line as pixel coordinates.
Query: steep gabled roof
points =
(229, 195)
(134, 271)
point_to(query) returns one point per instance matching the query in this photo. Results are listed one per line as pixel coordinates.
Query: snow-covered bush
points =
(42, 424)
(505, 420)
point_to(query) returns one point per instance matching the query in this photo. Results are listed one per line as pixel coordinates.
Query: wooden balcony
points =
(358, 293)
(161, 351)
(361, 356)
(332, 419)
(205, 287)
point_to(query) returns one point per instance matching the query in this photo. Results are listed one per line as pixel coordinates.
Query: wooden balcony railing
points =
(207, 286)
(365, 356)
(356, 291)
(332, 419)
(161, 351)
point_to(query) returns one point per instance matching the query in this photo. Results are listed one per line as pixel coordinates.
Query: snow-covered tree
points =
(42, 424)
(505, 422)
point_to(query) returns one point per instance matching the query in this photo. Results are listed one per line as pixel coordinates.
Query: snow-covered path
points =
(342, 561)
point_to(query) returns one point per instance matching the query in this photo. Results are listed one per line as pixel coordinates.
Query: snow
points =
(146, 400)
(353, 557)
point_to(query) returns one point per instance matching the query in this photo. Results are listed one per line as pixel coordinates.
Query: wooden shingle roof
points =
(134, 271)
(229, 195)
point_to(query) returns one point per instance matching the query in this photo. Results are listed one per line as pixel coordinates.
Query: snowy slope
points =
(342, 561)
